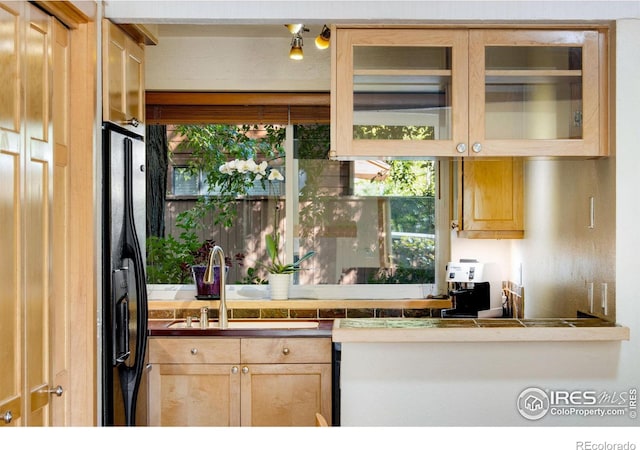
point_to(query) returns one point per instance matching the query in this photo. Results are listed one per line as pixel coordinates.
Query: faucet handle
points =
(204, 318)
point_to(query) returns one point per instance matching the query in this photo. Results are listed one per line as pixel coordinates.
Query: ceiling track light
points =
(323, 39)
(295, 28)
(296, 42)
(296, 48)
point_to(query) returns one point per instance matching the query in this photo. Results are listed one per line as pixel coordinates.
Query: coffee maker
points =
(468, 292)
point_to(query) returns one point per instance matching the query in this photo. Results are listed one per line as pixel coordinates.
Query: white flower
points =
(249, 165)
(225, 168)
(262, 169)
(242, 166)
(275, 175)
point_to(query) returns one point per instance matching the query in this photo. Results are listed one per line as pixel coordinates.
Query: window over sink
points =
(371, 222)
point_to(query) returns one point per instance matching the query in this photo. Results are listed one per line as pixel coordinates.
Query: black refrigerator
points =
(124, 294)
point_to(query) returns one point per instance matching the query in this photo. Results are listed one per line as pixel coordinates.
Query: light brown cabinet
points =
(407, 92)
(239, 382)
(490, 198)
(122, 77)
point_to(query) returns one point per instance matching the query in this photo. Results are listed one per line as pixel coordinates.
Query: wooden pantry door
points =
(37, 229)
(11, 144)
(34, 325)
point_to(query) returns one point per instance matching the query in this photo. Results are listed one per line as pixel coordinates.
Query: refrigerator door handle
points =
(130, 376)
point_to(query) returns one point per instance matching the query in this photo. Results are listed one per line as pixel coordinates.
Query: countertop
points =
(162, 328)
(416, 330)
(476, 330)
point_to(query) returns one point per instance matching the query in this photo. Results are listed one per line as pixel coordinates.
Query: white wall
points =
(470, 384)
(628, 206)
(236, 64)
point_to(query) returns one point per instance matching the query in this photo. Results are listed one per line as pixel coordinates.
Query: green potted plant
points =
(279, 273)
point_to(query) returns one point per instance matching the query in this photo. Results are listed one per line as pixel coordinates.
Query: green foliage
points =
(252, 277)
(213, 145)
(410, 178)
(385, 132)
(413, 214)
(275, 265)
(169, 258)
(414, 258)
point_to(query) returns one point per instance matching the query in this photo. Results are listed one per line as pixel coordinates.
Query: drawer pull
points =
(285, 351)
(194, 351)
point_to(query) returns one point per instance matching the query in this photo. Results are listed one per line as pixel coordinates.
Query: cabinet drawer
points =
(194, 351)
(282, 351)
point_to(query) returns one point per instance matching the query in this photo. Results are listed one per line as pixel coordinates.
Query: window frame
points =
(170, 108)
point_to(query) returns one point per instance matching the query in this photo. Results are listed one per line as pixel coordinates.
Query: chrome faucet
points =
(208, 278)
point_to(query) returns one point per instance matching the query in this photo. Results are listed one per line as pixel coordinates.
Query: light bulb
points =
(296, 53)
(296, 48)
(323, 39)
(321, 42)
(294, 28)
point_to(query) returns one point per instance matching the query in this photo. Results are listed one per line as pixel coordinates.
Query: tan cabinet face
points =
(491, 198)
(285, 394)
(202, 382)
(194, 395)
(534, 92)
(399, 92)
(123, 77)
(461, 92)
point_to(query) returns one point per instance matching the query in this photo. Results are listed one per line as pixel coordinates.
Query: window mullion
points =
(291, 197)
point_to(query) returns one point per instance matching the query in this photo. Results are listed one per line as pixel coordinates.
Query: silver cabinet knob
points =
(7, 417)
(194, 351)
(56, 390)
(245, 369)
(476, 147)
(234, 369)
(461, 147)
(285, 351)
(133, 121)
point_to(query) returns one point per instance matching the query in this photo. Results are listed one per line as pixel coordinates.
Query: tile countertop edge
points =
(461, 334)
(303, 303)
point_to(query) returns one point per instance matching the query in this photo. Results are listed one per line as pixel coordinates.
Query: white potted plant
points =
(280, 274)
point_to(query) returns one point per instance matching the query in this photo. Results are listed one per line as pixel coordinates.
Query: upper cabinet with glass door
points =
(469, 92)
(537, 92)
(398, 92)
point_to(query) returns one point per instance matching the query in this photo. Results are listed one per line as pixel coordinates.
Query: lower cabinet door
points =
(285, 394)
(194, 395)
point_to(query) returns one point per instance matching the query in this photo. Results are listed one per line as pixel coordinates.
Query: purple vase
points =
(203, 289)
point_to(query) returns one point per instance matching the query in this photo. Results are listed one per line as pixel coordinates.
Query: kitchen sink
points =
(253, 324)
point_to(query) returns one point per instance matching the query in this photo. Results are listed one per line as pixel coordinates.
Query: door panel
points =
(60, 342)
(194, 395)
(11, 397)
(285, 394)
(37, 210)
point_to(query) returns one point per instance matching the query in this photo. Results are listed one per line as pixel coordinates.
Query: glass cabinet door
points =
(399, 92)
(534, 89)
